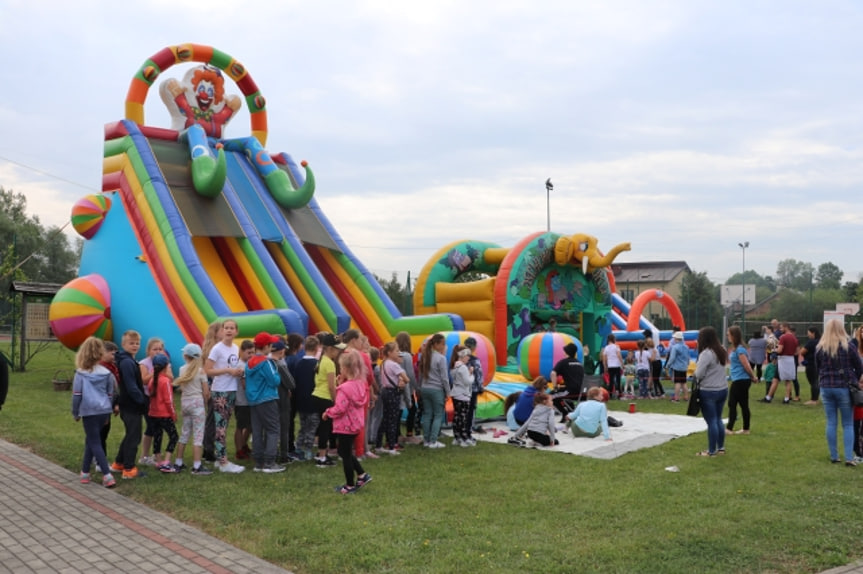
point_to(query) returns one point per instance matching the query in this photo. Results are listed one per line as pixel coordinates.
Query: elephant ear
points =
(563, 251)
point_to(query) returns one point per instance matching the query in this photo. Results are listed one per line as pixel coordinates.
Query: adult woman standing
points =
(741, 378)
(612, 361)
(807, 357)
(434, 388)
(757, 352)
(710, 372)
(839, 366)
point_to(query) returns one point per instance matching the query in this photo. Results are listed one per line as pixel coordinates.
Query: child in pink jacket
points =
(348, 416)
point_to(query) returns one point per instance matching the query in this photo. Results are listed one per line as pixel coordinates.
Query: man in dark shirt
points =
(571, 371)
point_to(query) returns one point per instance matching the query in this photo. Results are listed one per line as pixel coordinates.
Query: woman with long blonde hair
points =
(839, 367)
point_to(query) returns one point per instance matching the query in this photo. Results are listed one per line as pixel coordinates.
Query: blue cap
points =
(160, 360)
(192, 350)
(278, 345)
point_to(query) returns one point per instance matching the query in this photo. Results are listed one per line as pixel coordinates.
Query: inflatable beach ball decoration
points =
(88, 214)
(484, 350)
(539, 352)
(81, 308)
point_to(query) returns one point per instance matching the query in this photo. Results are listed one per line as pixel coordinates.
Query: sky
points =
(683, 127)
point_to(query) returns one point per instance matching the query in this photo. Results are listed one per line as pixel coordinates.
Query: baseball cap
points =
(264, 339)
(160, 360)
(678, 335)
(278, 345)
(192, 350)
(470, 342)
(340, 346)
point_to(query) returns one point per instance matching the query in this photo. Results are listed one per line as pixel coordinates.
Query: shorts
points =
(679, 377)
(243, 416)
(787, 370)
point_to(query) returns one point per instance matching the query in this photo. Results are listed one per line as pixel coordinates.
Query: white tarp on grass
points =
(639, 430)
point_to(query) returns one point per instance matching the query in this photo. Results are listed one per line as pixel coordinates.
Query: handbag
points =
(694, 407)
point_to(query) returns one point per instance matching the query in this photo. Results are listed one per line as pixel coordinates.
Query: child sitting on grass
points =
(590, 417)
(540, 426)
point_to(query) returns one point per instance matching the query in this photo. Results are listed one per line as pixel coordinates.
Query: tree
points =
(795, 274)
(829, 276)
(699, 301)
(751, 277)
(399, 292)
(850, 290)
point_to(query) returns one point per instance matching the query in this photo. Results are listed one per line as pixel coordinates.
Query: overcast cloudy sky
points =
(684, 127)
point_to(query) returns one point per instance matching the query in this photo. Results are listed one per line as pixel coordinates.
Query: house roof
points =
(648, 271)
(31, 288)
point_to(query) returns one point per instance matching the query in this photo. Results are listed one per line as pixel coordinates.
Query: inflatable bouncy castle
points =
(193, 227)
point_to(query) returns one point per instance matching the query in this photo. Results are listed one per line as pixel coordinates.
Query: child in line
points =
(242, 412)
(393, 381)
(642, 370)
(133, 405)
(92, 402)
(211, 338)
(262, 392)
(223, 365)
(195, 394)
(540, 426)
(590, 417)
(109, 363)
(162, 413)
(462, 384)
(771, 375)
(303, 371)
(348, 419)
(374, 429)
(629, 373)
(155, 346)
(286, 450)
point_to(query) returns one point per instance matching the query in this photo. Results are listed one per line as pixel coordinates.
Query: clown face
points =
(205, 92)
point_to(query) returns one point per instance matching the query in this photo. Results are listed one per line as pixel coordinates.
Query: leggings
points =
(739, 394)
(461, 419)
(167, 425)
(392, 399)
(812, 376)
(350, 464)
(656, 375)
(614, 380)
(539, 437)
(93, 426)
(223, 407)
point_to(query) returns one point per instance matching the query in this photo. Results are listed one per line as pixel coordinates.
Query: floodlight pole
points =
(743, 247)
(548, 188)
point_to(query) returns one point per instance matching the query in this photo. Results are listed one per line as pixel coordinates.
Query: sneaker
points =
(272, 468)
(117, 467)
(470, 442)
(786, 401)
(296, 455)
(147, 460)
(363, 479)
(437, 444)
(766, 400)
(465, 443)
(515, 441)
(478, 430)
(324, 462)
(456, 442)
(133, 473)
(85, 478)
(179, 467)
(398, 447)
(201, 471)
(388, 451)
(108, 481)
(345, 489)
(371, 454)
(167, 468)
(231, 468)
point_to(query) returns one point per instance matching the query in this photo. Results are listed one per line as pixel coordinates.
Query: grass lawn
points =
(774, 503)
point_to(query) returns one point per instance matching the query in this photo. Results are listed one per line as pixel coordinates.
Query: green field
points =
(774, 503)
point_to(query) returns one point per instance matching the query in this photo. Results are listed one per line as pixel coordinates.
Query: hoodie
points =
(93, 392)
(262, 380)
(348, 413)
(132, 397)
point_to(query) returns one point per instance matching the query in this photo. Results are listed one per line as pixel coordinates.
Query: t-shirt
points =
(224, 357)
(789, 344)
(642, 360)
(194, 389)
(322, 387)
(572, 372)
(612, 355)
(737, 356)
(390, 374)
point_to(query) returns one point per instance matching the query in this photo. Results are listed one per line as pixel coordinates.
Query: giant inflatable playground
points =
(193, 227)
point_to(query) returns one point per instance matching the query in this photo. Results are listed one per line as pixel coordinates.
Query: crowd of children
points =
(332, 388)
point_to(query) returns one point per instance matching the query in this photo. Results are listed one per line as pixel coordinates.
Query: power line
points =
(49, 174)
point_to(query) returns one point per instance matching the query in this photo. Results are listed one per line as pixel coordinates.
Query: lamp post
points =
(548, 188)
(743, 247)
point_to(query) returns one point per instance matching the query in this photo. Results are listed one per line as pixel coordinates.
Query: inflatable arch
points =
(662, 298)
